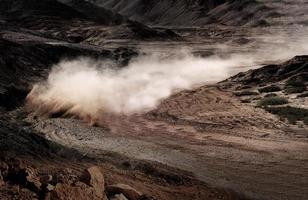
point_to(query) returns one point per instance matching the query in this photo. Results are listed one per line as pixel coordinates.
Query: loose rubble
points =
(20, 178)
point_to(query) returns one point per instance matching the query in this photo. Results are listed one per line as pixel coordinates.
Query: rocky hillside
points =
(75, 21)
(202, 12)
(254, 124)
(162, 12)
(279, 89)
(261, 13)
(296, 68)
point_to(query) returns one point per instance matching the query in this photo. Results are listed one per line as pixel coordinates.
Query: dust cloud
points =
(88, 88)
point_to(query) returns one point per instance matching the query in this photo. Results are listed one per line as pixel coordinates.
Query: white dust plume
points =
(89, 88)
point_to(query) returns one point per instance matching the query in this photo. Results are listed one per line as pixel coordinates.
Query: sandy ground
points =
(206, 132)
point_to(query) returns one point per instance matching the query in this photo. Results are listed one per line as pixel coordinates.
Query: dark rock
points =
(1, 180)
(25, 176)
(145, 197)
(17, 172)
(118, 197)
(75, 38)
(13, 96)
(46, 179)
(126, 190)
(144, 32)
(3, 169)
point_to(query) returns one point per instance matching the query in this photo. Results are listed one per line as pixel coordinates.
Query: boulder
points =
(77, 191)
(126, 190)
(3, 166)
(17, 172)
(3, 169)
(50, 187)
(45, 179)
(1, 180)
(32, 180)
(118, 197)
(146, 197)
(94, 178)
(29, 178)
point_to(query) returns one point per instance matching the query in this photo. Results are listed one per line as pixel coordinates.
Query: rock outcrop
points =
(186, 13)
(162, 12)
(69, 192)
(296, 67)
(128, 191)
(94, 178)
(19, 178)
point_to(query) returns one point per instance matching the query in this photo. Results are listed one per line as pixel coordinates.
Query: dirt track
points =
(206, 132)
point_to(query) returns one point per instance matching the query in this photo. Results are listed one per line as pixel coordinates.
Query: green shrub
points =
(246, 93)
(295, 89)
(291, 119)
(292, 114)
(256, 98)
(271, 95)
(245, 87)
(272, 101)
(295, 86)
(306, 120)
(246, 101)
(299, 78)
(271, 88)
(302, 95)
